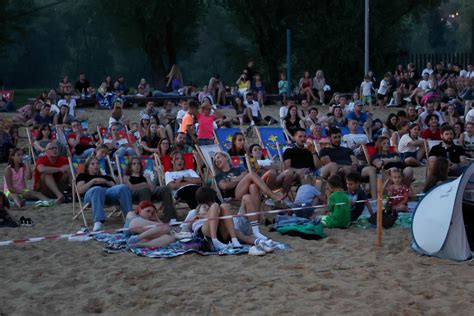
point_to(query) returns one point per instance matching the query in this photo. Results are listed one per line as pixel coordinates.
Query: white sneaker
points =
(265, 245)
(408, 99)
(252, 123)
(256, 251)
(97, 227)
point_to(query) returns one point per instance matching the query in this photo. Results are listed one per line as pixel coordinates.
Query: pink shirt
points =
(18, 180)
(206, 126)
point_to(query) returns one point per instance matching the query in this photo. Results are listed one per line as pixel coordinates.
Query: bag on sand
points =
(389, 217)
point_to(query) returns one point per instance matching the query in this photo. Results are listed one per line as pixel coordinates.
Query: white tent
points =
(443, 220)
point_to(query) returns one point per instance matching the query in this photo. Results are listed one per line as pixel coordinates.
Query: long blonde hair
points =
(175, 73)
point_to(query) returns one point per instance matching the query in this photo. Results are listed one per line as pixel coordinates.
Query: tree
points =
(162, 28)
(327, 35)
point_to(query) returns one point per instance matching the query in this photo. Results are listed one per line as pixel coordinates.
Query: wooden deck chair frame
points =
(30, 145)
(210, 173)
(259, 136)
(83, 205)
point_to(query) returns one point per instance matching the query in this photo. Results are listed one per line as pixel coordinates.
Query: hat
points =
(145, 117)
(357, 102)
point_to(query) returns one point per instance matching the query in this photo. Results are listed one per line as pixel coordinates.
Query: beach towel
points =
(177, 248)
(309, 229)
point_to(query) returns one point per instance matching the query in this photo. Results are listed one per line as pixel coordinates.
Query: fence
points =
(420, 60)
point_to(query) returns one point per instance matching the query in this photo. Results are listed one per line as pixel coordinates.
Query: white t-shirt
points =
(424, 85)
(283, 112)
(469, 116)
(179, 117)
(427, 71)
(170, 176)
(383, 87)
(354, 141)
(403, 146)
(71, 105)
(466, 74)
(366, 87)
(255, 107)
(425, 114)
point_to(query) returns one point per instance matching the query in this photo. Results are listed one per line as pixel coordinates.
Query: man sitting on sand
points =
(52, 173)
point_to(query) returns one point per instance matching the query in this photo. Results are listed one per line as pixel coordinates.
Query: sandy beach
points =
(344, 273)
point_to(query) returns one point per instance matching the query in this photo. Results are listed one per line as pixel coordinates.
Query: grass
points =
(22, 95)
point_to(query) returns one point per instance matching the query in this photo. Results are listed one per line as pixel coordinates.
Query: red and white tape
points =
(121, 230)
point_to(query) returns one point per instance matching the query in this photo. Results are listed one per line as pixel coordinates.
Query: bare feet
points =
(60, 199)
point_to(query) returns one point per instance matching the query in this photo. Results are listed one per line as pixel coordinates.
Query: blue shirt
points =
(361, 119)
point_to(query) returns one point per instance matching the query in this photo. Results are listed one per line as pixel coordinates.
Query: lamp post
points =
(366, 49)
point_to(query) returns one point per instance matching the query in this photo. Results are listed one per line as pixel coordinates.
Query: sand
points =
(343, 273)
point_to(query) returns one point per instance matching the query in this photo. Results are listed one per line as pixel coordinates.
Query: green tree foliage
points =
(160, 28)
(327, 35)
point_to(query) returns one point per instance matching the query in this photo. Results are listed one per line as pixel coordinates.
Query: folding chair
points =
(206, 154)
(163, 164)
(148, 164)
(224, 136)
(77, 166)
(30, 145)
(269, 137)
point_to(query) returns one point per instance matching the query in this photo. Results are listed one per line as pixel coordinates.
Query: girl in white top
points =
(466, 140)
(183, 182)
(410, 147)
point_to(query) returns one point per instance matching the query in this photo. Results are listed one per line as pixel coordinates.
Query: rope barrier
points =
(121, 230)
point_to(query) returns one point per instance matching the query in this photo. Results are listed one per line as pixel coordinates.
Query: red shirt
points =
(44, 160)
(428, 134)
(83, 140)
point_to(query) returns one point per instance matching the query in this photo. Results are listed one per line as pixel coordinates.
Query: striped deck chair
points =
(224, 136)
(269, 137)
(77, 166)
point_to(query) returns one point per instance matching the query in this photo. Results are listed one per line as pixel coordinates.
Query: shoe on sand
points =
(256, 251)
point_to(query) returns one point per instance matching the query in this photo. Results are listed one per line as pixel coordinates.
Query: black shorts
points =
(380, 96)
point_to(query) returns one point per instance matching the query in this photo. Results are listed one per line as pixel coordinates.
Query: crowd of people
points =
(329, 137)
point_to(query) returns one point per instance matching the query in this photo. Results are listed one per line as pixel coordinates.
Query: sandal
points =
(26, 221)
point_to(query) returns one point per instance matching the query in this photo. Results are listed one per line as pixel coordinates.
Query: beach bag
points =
(389, 217)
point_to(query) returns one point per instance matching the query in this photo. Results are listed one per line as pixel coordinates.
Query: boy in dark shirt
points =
(356, 193)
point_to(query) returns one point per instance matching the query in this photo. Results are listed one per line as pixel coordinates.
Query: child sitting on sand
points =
(356, 193)
(146, 229)
(398, 192)
(16, 174)
(338, 205)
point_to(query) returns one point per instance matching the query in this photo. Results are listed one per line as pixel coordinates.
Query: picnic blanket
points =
(404, 220)
(118, 242)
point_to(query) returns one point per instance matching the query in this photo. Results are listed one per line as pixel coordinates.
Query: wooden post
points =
(379, 209)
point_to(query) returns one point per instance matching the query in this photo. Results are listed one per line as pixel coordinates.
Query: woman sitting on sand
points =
(146, 229)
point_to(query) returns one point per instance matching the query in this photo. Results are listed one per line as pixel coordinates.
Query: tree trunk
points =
(153, 50)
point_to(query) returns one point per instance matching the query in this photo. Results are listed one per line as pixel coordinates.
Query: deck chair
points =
(428, 145)
(30, 145)
(163, 164)
(269, 137)
(224, 136)
(206, 153)
(148, 164)
(369, 151)
(77, 166)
